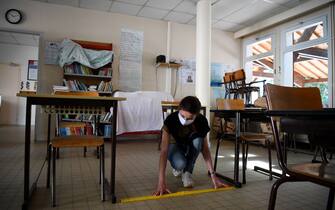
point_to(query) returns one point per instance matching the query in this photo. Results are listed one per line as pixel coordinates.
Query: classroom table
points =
(66, 100)
(254, 114)
(174, 106)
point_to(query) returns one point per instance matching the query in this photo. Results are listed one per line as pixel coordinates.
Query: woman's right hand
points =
(161, 190)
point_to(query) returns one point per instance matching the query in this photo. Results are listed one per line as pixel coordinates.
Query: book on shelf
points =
(77, 68)
(105, 86)
(106, 117)
(76, 130)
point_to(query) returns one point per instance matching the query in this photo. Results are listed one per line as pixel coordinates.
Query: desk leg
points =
(48, 152)
(113, 153)
(237, 147)
(26, 192)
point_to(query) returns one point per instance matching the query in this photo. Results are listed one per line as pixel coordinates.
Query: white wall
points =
(56, 22)
(19, 55)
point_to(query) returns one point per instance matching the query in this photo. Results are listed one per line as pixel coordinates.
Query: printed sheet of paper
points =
(51, 51)
(188, 72)
(131, 52)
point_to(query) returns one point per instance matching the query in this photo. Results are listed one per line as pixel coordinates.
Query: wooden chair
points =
(228, 85)
(308, 99)
(246, 137)
(244, 89)
(77, 142)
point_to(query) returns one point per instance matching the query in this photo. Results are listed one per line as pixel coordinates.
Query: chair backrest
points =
(78, 93)
(227, 78)
(239, 75)
(290, 98)
(229, 104)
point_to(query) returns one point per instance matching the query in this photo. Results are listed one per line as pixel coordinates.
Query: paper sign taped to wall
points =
(131, 52)
(51, 52)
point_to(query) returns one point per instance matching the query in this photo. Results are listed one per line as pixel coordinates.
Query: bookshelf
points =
(80, 79)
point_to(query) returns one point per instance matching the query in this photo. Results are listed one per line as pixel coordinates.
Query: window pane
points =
(307, 33)
(262, 69)
(311, 69)
(259, 47)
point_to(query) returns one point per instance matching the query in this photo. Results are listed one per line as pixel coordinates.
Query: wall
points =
(19, 55)
(56, 22)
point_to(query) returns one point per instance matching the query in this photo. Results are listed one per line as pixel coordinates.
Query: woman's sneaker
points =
(187, 180)
(176, 173)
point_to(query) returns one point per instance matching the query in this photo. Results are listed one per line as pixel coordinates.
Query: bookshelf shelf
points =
(89, 76)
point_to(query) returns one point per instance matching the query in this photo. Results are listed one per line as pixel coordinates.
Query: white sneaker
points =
(176, 173)
(187, 180)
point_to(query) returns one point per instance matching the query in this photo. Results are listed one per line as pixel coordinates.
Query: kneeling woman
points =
(184, 137)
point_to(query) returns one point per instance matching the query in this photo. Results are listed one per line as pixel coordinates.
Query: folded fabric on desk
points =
(142, 111)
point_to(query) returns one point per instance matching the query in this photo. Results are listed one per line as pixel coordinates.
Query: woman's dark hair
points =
(190, 104)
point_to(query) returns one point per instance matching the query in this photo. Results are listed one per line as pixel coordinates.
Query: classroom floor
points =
(137, 169)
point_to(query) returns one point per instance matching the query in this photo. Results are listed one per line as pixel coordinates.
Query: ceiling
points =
(228, 15)
(19, 38)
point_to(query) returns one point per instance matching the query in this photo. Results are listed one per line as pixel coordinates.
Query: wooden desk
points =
(48, 99)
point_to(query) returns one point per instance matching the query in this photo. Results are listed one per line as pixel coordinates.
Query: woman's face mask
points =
(186, 120)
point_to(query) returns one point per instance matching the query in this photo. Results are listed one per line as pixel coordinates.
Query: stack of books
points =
(58, 88)
(75, 85)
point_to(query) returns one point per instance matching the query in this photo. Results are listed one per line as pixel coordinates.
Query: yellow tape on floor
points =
(176, 194)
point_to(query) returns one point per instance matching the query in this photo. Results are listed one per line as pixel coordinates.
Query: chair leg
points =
(57, 153)
(53, 186)
(102, 172)
(274, 189)
(316, 152)
(216, 153)
(85, 150)
(100, 166)
(98, 152)
(330, 199)
(243, 161)
(324, 155)
(49, 165)
(270, 159)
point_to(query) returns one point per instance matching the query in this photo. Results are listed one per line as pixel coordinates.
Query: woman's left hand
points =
(217, 182)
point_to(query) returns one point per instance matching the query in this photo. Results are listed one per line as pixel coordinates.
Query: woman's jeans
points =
(182, 158)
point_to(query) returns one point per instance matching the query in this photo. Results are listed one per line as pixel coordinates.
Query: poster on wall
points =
(217, 72)
(131, 52)
(32, 70)
(187, 72)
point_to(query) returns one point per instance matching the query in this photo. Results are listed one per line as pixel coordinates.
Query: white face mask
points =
(183, 121)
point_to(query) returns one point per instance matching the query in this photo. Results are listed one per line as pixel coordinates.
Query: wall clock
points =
(14, 16)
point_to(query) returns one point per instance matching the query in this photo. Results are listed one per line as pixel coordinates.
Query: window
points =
(306, 56)
(259, 61)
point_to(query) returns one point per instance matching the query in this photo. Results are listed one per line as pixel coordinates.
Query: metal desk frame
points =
(48, 99)
(251, 113)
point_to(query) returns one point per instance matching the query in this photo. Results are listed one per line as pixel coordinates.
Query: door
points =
(9, 86)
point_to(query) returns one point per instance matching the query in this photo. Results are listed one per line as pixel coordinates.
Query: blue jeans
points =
(183, 158)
